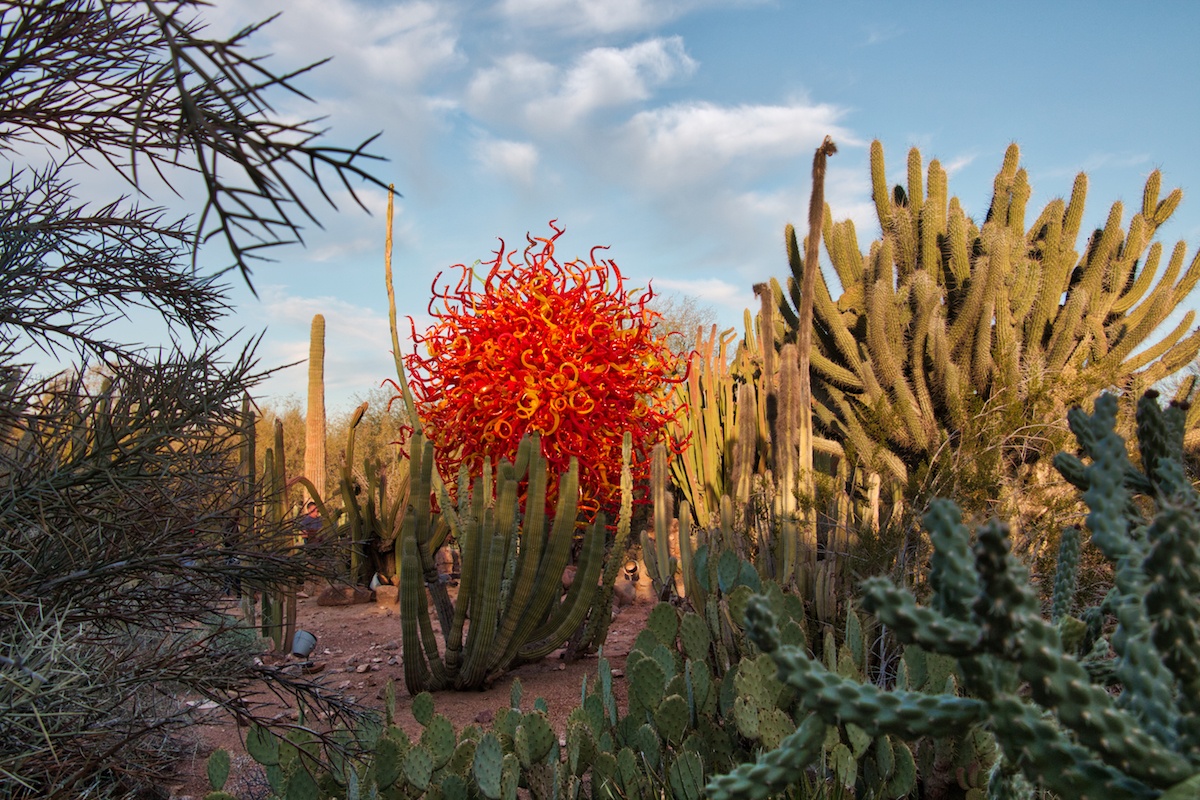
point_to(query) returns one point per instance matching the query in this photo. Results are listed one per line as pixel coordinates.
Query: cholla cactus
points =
(1048, 704)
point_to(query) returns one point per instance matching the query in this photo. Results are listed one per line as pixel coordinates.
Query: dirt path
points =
(359, 648)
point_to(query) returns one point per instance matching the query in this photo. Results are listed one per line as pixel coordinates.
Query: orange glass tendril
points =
(563, 349)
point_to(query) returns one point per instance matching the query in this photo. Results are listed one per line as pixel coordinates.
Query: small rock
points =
(486, 717)
(624, 593)
(393, 645)
(345, 596)
(618, 673)
(361, 668)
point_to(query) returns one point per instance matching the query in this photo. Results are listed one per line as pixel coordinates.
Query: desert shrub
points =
(124, 517)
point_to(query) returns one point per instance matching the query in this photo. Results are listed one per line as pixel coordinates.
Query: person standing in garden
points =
(310, 523)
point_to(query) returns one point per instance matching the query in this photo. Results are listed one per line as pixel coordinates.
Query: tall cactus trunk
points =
(279, 601)
(246, 468)
(286, 594)
(816, 214)
(314, 443)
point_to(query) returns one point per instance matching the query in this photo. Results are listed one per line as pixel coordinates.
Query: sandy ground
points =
(358, 650)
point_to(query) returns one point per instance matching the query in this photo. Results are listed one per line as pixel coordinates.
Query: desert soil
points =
(358, 651)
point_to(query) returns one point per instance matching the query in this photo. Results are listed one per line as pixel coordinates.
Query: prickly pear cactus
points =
(520, 751)
(1134, 733)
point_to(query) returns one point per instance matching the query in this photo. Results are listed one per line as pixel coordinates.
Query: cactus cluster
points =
(1072, 711)
(984, 328)
(379, 759)
(687, 721)
(511, 573)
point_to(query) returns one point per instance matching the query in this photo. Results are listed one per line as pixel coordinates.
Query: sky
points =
(680, 134)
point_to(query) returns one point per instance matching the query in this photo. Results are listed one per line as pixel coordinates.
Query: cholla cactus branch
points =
(1056, 720)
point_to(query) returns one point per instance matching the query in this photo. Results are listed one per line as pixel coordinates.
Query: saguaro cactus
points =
(314, 443)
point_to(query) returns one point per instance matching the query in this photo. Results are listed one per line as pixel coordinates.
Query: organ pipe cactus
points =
(1056, 720)
(511, 574)
(703, 470)
(767, 436)
(950, 328)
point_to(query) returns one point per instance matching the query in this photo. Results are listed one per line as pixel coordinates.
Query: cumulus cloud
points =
(517, 161)
(397, 45)
(551, 99)
(687, 143)
(391, 67)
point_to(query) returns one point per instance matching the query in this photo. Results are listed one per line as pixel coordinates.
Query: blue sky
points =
(681, 134)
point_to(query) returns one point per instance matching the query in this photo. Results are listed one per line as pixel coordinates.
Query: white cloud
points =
(958, 163)
(397, 45)
(552, 98)
(390, 69)
(606, 77)
(688, 143)
(711, 291)
(877, 35)
(517, 161)
(603, 16)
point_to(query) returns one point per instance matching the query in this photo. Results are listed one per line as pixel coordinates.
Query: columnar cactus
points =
(278, 602)
(1032, 682)
(703, 471)
(314, 440)
(657, 552)
(953, 328)
(511, 573)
